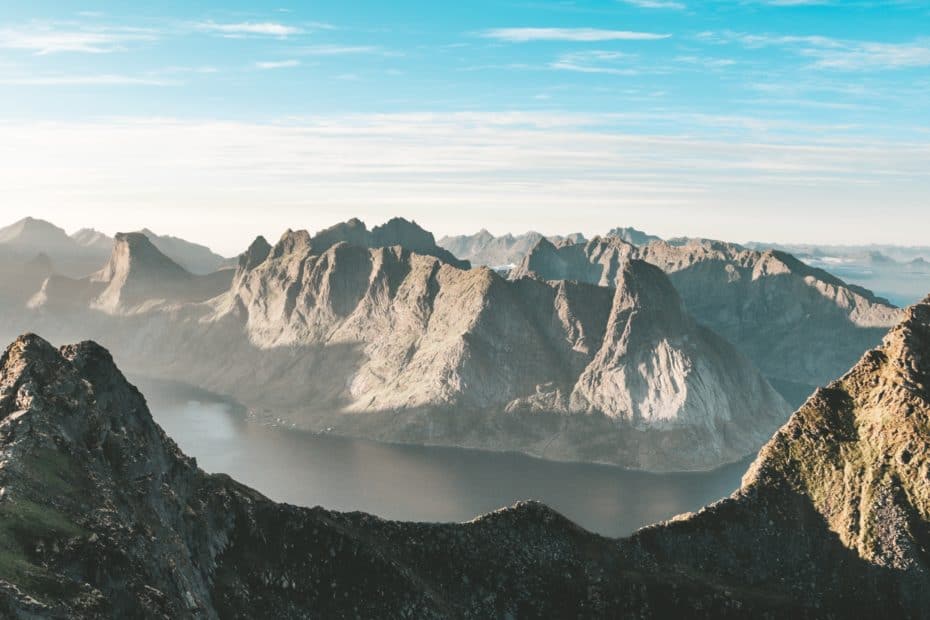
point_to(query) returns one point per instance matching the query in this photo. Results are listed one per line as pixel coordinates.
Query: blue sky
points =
(787, 120)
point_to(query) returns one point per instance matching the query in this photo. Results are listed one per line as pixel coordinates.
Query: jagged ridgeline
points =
(382, 334)
(102, 516)
(799, 325)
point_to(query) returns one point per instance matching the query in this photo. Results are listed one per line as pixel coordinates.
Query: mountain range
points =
(598, 351)
(507, 251)
(900, 273)
(103, 516)
(800, 325)
(82, 253)
(388, 343)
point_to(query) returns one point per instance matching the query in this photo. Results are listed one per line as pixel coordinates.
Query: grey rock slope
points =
(102, 516)
(798, 324)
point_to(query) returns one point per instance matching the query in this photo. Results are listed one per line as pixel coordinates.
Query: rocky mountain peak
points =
(136, 272)
(134, 253)
(858, 449)
(645, 289)
(255, 255)
(291, 241)
(406, 233)
(632, 235)
(396, 231)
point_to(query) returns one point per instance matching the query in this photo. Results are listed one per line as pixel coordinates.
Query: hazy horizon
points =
(229, 250)
(788, 122)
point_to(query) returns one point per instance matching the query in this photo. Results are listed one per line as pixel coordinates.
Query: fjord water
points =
(419, 483)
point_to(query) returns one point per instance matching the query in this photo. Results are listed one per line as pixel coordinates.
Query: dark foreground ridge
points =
(102, 516)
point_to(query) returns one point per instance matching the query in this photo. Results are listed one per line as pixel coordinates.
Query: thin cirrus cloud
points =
(837, 54)
(656, 4)
(277, 64)
(268, 29)
(48, 39)
(580, 35)
(542, 165)
(86, 80)
(342, 50)
(596, 61)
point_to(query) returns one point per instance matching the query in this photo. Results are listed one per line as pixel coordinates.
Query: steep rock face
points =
(798, 324)
(838, 502)
(396, 231)
(662, 370)
(450, 355)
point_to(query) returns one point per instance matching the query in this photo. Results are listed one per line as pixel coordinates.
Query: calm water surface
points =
(422, 483)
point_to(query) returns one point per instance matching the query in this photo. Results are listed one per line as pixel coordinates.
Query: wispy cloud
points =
(86, 80)
(568, 171)
(53, 39)
(705, 61)
(595, 61)
(268, 29)
(837, 54)
(344, 50)
(277, 64)
(526, 35)
(873, 56)
(656, 4)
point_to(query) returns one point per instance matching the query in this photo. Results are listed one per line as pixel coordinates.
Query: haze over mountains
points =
(659, 356)
(103, 516)
(899, 273)
(83, 252)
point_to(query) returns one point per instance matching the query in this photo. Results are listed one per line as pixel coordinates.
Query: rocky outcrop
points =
(395, 232)
(798, 324)
(632, 235)
(836, 507)
(102, 516)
